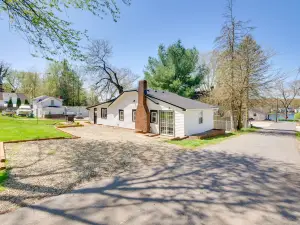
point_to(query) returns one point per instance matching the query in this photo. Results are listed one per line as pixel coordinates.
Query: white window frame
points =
(200, 117)
(121, 114)
(153, 112)
(103, 113)
(133, 115)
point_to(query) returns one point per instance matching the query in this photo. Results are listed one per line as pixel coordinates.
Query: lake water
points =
(281, 116)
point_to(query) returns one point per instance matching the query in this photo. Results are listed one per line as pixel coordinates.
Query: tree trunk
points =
(239, 123)
(120, 89)
(286, 113)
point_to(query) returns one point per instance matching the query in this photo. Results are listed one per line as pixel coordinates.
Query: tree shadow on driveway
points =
(186, 187)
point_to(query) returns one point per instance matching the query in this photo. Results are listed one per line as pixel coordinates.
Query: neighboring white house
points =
(45, 106)
(6, 96)
(159, 112)
(257, 114)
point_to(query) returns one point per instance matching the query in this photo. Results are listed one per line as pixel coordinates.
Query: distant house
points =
(46, 106)
(156, 111)
(257, 114)
(6, 96)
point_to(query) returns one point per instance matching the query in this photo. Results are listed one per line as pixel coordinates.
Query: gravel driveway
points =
(46, 168)
(218, 185)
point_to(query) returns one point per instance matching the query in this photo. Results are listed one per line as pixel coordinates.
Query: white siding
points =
(186, 122)
(178, 113)
(191, 120)
(91, 115)
(257, 115)
(127, 102)
(43, 108)
(47, 102)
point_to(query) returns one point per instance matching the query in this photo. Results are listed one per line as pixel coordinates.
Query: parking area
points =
(40, 169)
(106, 133)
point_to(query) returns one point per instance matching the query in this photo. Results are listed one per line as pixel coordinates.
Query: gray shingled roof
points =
(176, 100)
(170, 98)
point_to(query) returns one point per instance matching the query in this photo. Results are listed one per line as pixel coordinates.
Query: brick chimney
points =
(1, 88)
(142, 121)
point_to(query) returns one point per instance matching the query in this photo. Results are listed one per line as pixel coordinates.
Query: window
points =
(133, 115)
(104, 113)
(52, 102)
(121, 115)
(201, 117)
(153, 116)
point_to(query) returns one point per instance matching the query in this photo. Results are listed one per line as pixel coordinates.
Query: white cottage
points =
(5, 97)
(154, 111)
(45, 106)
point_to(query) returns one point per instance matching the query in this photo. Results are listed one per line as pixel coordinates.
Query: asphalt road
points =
(250, 179)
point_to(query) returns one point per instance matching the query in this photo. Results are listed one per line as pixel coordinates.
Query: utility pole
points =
(276, 109)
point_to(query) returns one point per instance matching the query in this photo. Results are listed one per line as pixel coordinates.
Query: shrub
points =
(10, 104)
(297, 116)
(26, 102)
(18, 102)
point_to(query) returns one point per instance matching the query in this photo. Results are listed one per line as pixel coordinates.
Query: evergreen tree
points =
(176, 70)
(18, 102)
(10, 104)
(26, 102)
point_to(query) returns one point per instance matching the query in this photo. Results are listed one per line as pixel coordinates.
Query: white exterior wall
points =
(191, 119)
(7, 96)
(47, 102)
(91, 115)
(127, 102)
(186, 122)
(42, 108)
(178, 113)
(259, 115)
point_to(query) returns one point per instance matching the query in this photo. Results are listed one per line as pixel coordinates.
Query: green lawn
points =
(289, 120)
(14, 129)
(193, 143)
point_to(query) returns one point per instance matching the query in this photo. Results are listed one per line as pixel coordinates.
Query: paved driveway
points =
(276, 142)
(236, 182)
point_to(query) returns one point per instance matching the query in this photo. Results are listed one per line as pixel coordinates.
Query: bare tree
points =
(4, 71)
(210, 61)
(287, 91)
(109, 79)
(232, 32)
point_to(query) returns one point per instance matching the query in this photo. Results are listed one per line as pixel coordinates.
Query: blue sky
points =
(146, 24)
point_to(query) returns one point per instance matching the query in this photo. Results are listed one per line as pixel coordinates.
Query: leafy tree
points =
(4, 71)
(13, 81)
(18, 102)
(37, 20)
(26, 102)
(176, 70)
(10, 104)
(62, 79)
(297, 116)
(255, 79)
